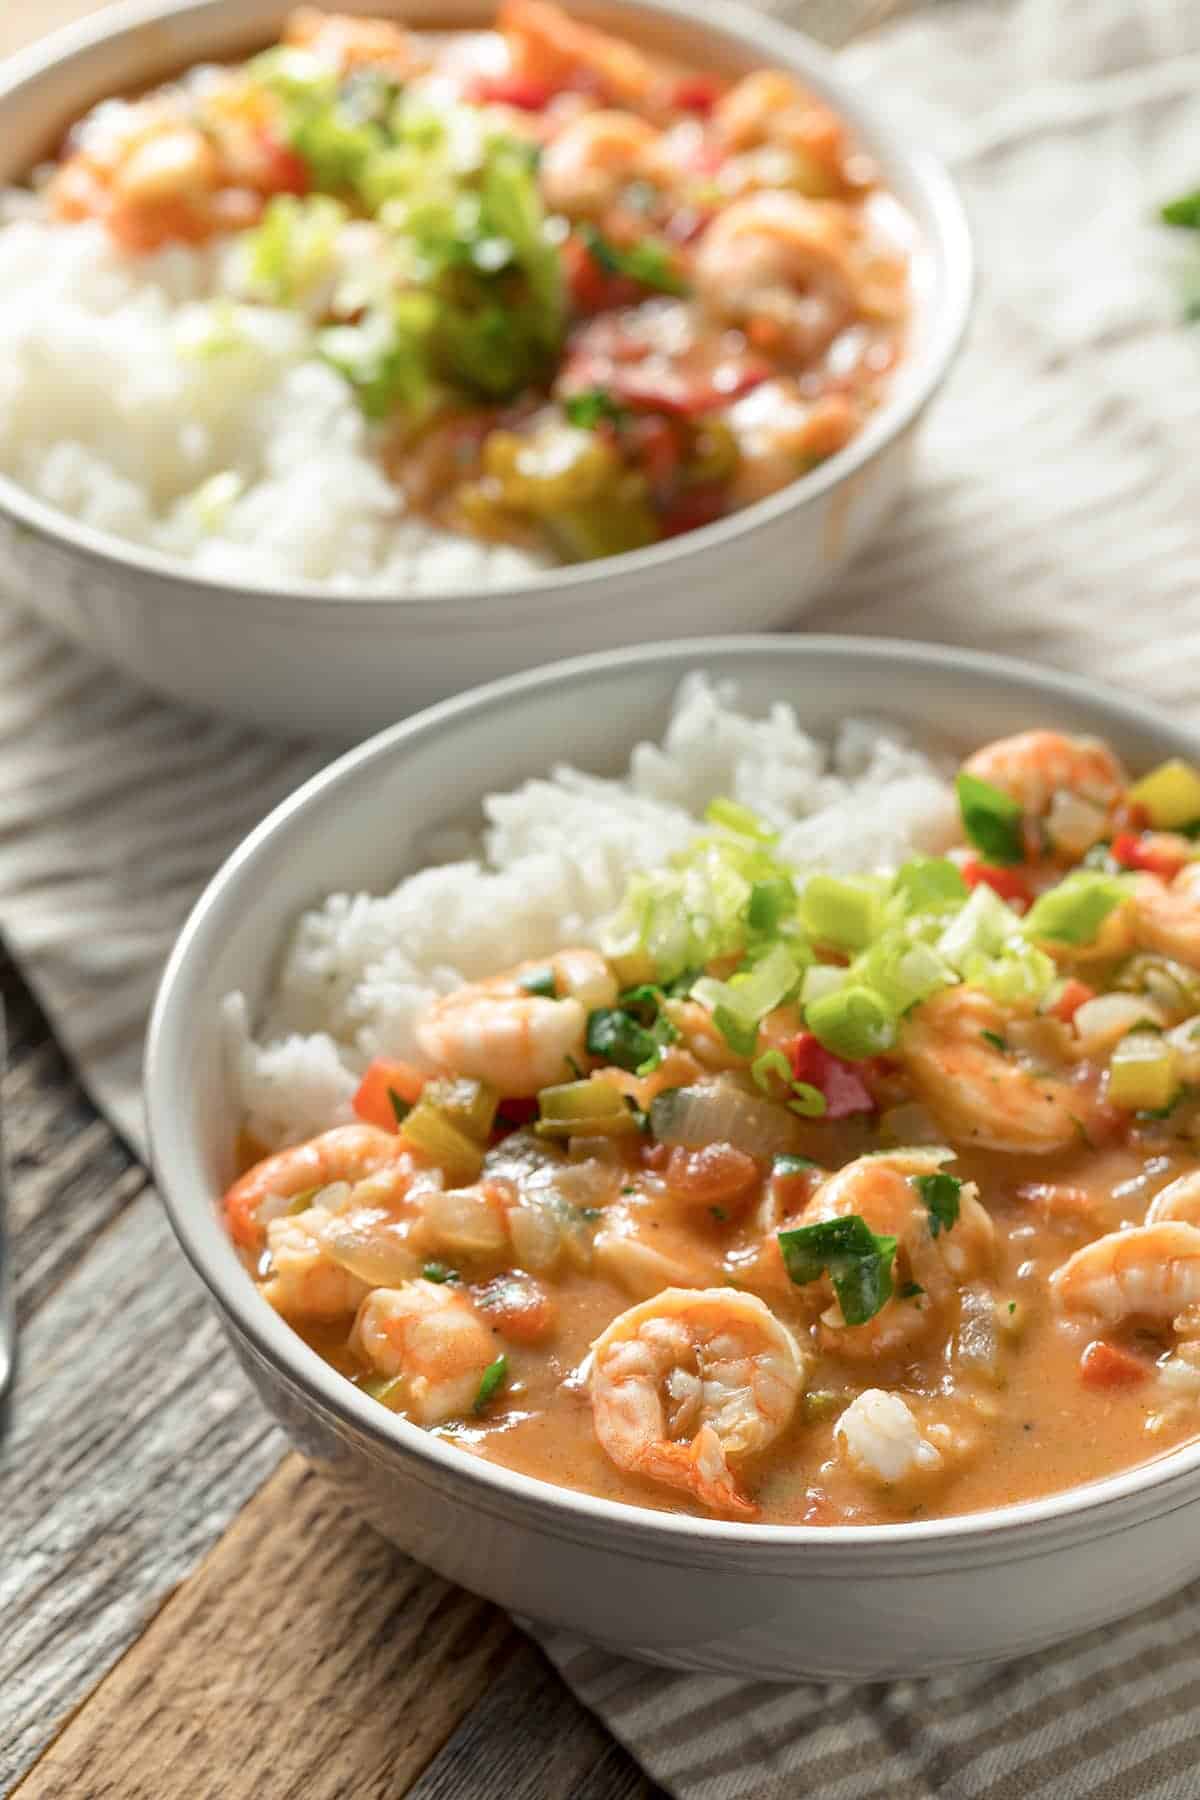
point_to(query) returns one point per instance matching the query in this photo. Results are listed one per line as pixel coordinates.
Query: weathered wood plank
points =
(306, 1657)
(530, 1739)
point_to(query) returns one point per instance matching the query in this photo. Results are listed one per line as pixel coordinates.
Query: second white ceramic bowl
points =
(767, 1601)
(303, 660)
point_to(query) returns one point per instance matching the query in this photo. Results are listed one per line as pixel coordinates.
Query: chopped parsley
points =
(991, 819)
(940, 1193)
(591, 407)
(996, 1041)
(492, 1380)
(649, 262)
(858, 1263)
(541, 982)
(634, 1033)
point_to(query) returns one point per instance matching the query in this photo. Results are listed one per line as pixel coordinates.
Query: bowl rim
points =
(948, 308)
(164, 1076)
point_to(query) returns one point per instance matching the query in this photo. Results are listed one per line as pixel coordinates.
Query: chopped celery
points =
(471, 1105)
(1074, 911)
(594, 1108)
(735, 817)
(607, 526)
(428, 1129)
(1143, 1072)
(1169, 795)
(854, 1023)
(841, 911)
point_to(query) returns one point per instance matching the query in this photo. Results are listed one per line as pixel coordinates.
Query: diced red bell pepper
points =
(515, 1112)
(1104, 1365)
(284, 170)
(841, 1082)
(696, 506)
(522, 91)
(1149, 853)
(592, 288)
(1074, 994)
(1011, 884)
(385, 1077)
(697, 93)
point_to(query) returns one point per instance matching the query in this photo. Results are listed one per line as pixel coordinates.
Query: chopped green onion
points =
(1184, 211)
(941, 1193)
(858, 1263)
(735, 817)
(591, 407)
(803, 1098)
(1022, 974)
(1074, 911)
(991, 819)
(492, 1380)
(770, 902)
(649, 263)
(1170, 795)
(996, 1041)
(751, 994)
(807, 1100)
(839, 911)
(929, 884)
(985, 925)
(541, 982)
(902, 970)
(439, 1272)
(854, 1023)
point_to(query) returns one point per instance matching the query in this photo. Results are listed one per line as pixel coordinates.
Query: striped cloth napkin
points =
(1055, 516)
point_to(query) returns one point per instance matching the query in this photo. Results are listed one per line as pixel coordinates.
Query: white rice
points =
(253, 463)
(552, 865)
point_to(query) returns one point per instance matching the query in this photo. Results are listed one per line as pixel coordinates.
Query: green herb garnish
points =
(492, 1380)
(991, 819)
(591, 407)
(400, 1108)
(996, 1041)
(540, 982)
(632, 1034)
(858, 1263)
(439, 1272)
(649, 263)
(940, 1193)
(1183, 212)
(910, 1291)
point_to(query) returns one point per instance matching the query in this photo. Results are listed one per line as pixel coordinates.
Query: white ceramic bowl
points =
(770, 1601)
(301, 659)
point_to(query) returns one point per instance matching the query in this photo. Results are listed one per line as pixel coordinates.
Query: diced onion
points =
(373, 1251)
(463, 1220)
(1073, 824)
(720, 1112)
(537, 1237)
(1104, 1021)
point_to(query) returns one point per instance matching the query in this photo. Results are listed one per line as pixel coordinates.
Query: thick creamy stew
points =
(798, 1197)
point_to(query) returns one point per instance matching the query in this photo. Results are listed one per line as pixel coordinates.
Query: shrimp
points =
(882, 1440)
(769, 110)
(432, 1339)
(1067, 787)
(781, 434)
(686, 1382)
(880, 1190)
(979, 1092)
(347, 1153)
(517, 1041)
(584, 168)
(346, 43)
(1179, 1200)
(780, 265)
(305, 1281)
(1148, 1272)
(1166, 917)
(550, 47)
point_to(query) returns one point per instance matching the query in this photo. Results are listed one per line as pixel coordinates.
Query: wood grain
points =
(306, 1657)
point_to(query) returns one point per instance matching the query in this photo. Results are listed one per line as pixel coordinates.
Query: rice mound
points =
(116, 408)
(553, 863)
